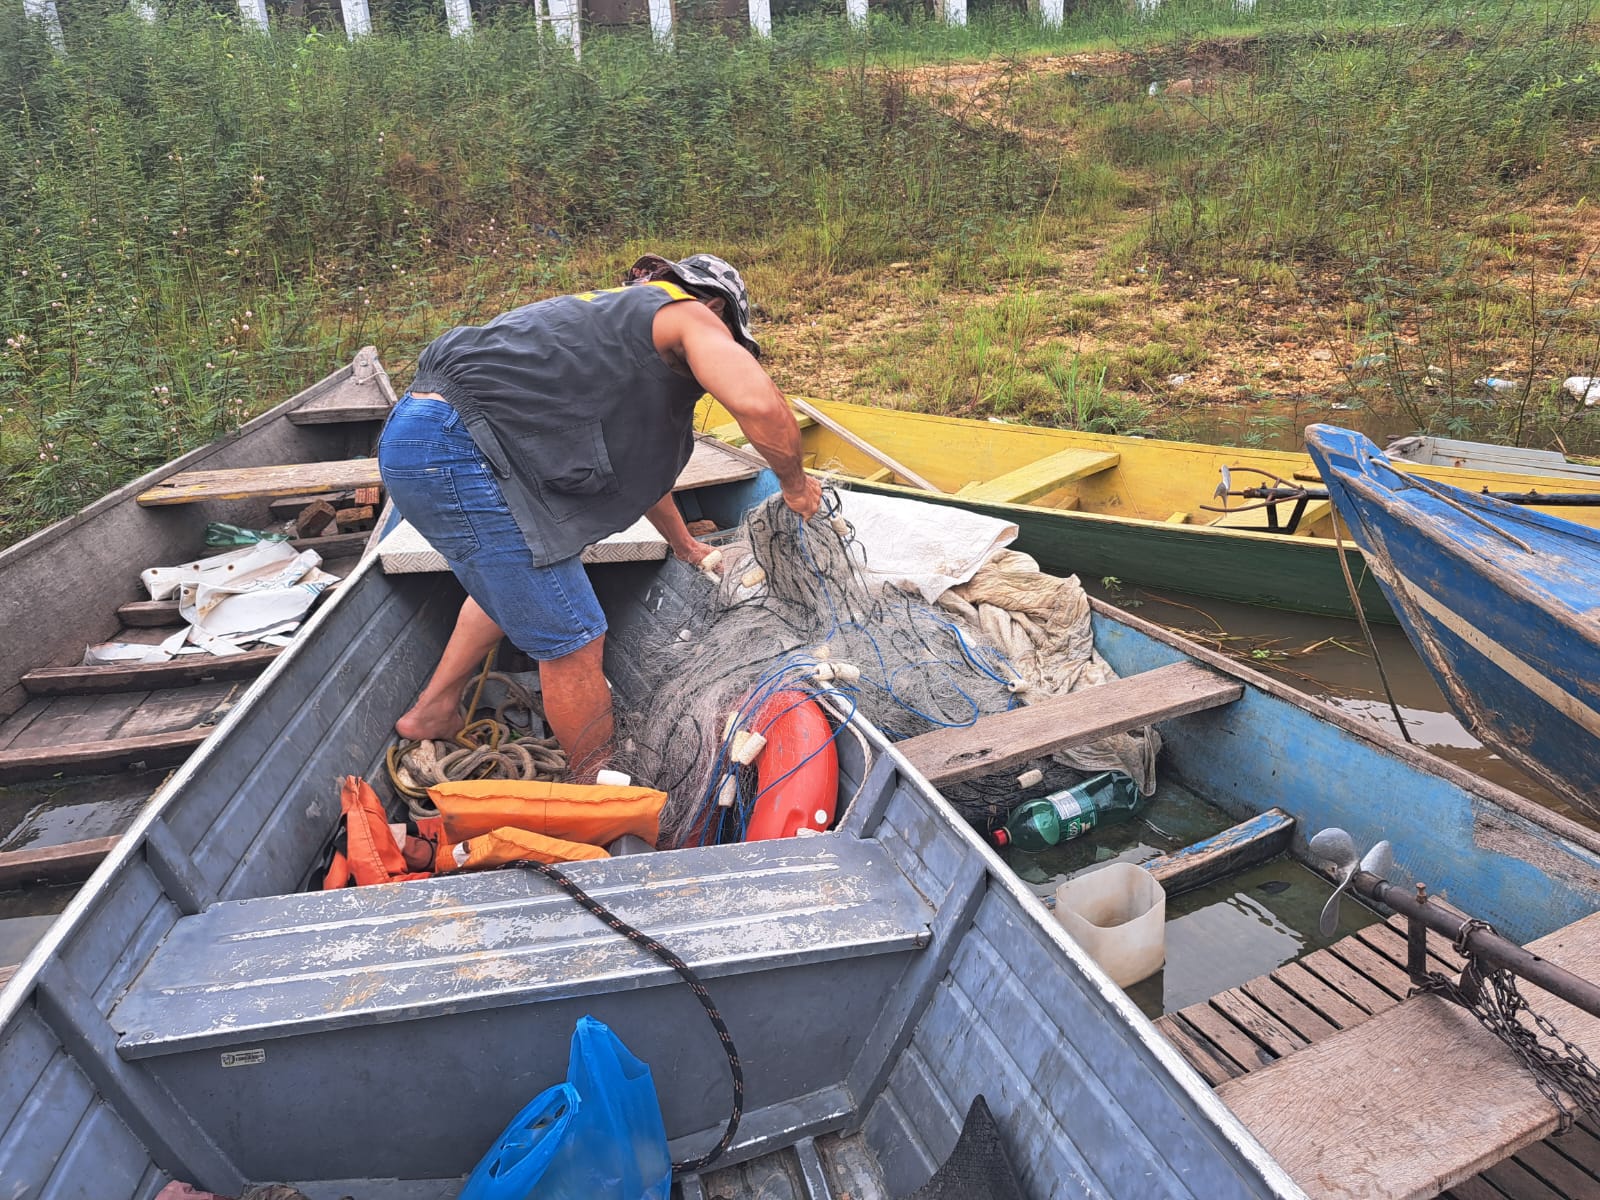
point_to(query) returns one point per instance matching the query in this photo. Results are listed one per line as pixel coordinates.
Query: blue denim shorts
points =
(446, 489)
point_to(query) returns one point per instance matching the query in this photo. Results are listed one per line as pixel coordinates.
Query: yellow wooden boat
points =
(1137, 509)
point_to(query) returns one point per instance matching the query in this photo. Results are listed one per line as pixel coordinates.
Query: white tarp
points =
(921, 547)
(228, 600)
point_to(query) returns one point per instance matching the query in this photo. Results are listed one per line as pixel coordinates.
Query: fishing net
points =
(797, 607)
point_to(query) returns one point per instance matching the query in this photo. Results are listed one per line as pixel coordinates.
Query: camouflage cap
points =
(702, 274)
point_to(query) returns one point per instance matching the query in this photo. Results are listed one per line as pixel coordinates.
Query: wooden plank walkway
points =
(1303, 1002)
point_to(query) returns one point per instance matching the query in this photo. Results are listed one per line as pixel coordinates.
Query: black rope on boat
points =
(1366, 632)
(686, 972)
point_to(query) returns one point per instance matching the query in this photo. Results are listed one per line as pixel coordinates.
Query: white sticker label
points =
(243, 1058)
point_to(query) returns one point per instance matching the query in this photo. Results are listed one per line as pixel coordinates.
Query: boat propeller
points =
(1337, 848)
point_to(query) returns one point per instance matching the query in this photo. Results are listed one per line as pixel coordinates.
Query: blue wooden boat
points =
(1500, 602)
(195, 1015)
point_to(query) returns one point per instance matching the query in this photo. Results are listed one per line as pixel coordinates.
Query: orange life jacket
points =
(365, 851)
(596, 814)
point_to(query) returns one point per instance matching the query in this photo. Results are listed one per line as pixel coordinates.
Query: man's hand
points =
(696, 552)
(805, 498)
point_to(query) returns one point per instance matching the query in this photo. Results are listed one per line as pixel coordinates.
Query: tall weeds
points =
(194, 219)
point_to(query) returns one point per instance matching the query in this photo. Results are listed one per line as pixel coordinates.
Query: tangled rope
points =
(485, 747)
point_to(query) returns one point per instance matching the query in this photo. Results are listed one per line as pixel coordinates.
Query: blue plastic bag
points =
(599, 1136)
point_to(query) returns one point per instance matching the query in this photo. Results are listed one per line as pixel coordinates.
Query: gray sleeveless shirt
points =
(584, 424)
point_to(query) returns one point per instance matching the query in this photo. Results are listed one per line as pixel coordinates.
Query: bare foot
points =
(430, 720)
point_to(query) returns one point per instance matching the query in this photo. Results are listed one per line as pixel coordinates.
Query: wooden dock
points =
(1260, 1022)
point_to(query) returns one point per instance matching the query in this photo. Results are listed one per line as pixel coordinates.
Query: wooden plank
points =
(91, 758)
(1178, 518)
(1289, 1008)
(1328, 1001)
(730, 434)
(1263, 836)
(180, 672)
(77, 719)
(189, 487)
(1391, 943)
(1555, 1169)
(1003, 740)
(1518, 1183)
(1373, 966)
(1467, 1100)
(341, 412)
(54, 864)
(867, 448)
(149, 614)
(1042, 476)
(1227, 1037)
(712, 462)
(1213, 1066)
(1473, 1189)
(1262, 1026)
(1582, 1146)
(17, 723)
(881, 475)
(180, 708)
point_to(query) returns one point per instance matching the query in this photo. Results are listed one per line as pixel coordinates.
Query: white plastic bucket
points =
(1118, 914)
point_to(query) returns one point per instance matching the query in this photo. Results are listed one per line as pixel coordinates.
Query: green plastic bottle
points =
(1072, 812)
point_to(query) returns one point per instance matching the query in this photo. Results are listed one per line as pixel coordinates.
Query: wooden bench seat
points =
(1416, 1098)
(243, 483)
(179, 672)
(1042, 476)
(290, 966)
(995, 743)
(1256, 518)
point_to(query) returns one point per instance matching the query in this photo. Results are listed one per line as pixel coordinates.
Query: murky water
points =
(25, 916)
(1328, 657)
(53, 812)
(1218, 936)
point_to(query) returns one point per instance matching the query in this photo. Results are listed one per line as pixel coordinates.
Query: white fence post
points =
(45, 10)
(566, 19)
(254, 14)
(761, 17)
(1052, 13)
(458, 13)
(661, 21)
(357, 18)
(955, 11)
(856, 11)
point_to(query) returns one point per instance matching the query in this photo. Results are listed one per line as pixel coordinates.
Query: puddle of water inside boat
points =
(1218, 936)
(26, 915)
(53, 812)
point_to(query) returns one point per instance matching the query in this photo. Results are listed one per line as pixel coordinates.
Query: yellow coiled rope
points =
(490, 747)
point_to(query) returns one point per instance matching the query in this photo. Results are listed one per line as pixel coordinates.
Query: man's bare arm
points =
(735, 379)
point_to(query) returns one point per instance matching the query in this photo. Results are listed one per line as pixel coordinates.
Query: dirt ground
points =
(1257, 359)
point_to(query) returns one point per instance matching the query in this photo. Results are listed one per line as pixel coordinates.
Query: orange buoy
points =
(798, 771)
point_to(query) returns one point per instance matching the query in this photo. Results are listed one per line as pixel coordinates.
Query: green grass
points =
(195, 221)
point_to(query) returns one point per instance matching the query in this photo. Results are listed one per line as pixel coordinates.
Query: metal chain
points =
(1498, 1005)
